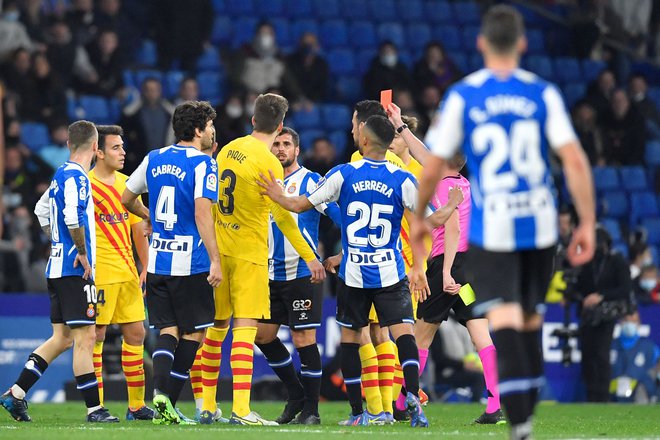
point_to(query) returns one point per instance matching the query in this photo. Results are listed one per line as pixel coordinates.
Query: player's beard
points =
(287, 163)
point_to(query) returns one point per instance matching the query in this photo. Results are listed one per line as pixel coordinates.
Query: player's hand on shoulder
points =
(419, 285)
(215, 274)
(318, 271)
(270, 186)
(331, 263)
(84, 262)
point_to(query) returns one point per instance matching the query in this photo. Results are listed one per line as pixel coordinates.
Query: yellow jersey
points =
(242, 212)
(389, 156)
(114, 246)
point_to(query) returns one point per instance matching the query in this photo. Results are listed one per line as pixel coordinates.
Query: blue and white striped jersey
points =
(175, 176)
(284, 263)
(67, 204)
(372, 196)
(504, 126)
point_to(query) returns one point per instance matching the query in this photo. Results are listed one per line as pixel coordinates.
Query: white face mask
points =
(647, 284)
(249, 109)
(234, 111)
(389, 59)
(266, 41)
(629, 329)
(647, 261)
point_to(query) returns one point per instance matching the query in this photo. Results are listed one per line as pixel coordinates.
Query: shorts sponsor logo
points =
(90, 311)
(301, 305)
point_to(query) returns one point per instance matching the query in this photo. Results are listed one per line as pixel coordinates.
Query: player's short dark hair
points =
(189, 116)
(269, 111)
(295, 137)
(382, 129)
(368, 108)
(411, 121)
(82, 134)
(502, 26)
(108, 130)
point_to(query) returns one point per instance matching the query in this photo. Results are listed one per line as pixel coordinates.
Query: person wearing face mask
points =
(12, 32)
(232, 119)
(647, 288)
(386, 72)
(624, 135)
(605, 287)
(635, 364)
(638, 87)
(640, 256)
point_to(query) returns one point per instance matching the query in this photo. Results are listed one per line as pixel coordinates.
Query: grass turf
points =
(65, 421)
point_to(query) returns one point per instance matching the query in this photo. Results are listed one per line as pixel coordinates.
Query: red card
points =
(386, 98)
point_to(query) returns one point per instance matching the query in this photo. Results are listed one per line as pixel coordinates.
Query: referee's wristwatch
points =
(400, 129)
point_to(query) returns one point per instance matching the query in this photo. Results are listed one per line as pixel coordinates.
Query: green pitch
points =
(64, 421)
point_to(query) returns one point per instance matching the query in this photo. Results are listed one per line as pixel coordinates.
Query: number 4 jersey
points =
(175, 176)
(372, 196)
(505, 125)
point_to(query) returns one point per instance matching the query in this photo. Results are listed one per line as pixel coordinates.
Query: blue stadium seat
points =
(652, 156)
(127, 76)
(307, 137)
(382, 10)
(393, 32)
(652, 226)
(467, 12)
(333, 34)
(612, 226)
(592, 68)
(633, 178)
(606, 179)
(643, 205)
(336, 116)
(283, 32)
(269, 9)
(222, 30)
(95, 109)
(567, 69)
(244, 28)
(540, 65)
(622, 248)
(239, 8)
(615, 204)
(654, 94)
(300, 27)
(300, 9)
(341, 61)
(171, 82)
(147, 54)
(573, 92)
(141, 75)
(355, 10)
(439, 12)
(476, 62)
(469, 36)
(449, 36)
(219, 6)
(114, 107)
(655, 254)
(412, 11)
(339, 139)
(363, 60)
(327, 9)
(34, 135)
(418, 35)
(363, 35)
(209, 60)
(460, 60)
(211, 87)
(304, 119)
(348, 88)
(535, 42)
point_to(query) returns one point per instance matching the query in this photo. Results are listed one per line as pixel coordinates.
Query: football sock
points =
(98, 367)
(310, 377)
(196, 379)
(385, 356)
(241, 359)
(401, 398)
(514, 375)
(350, 369)
(89, 388)
(409, 357)
(32, 371)
(280, 361)
(184, 356)
(132, 362)
(488, 356)
(163, 356)
(369, 360)
(210, 365)
(532, 341)
(397, 383)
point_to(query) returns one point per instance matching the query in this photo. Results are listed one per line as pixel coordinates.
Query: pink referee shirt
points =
(440, 199)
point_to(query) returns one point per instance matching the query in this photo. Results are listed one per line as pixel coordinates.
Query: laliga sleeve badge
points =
(91, 312)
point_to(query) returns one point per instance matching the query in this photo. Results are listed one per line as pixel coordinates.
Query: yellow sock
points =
(397, 383)
(196, 377)
(242, 351)
(369, 360)
(386, 362)
(98, 367)
(210, 365)
(132, 362)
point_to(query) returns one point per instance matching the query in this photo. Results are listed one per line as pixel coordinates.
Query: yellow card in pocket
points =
(467, 294)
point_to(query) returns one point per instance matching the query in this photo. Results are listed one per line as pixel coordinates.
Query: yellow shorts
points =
(119, 303)
(373, 317)
(243, 292)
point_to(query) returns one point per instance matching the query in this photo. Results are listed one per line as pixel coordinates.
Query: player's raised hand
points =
(449, 285)
(271, 186)
(394, 114)
(582, 246)
(419, 285)
(84, 262)
(318, 271)
(332, 263)
(215, 274)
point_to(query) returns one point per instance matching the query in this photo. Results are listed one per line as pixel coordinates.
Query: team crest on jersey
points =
(90, 311)
(291, 189)
(211, 182)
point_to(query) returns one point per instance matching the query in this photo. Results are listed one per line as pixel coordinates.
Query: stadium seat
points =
(336, 116)
(147, 55)
(412, 11)
(307, 119)
(655, 254)
(363, 60)
(606, 179)
(615, 204)
(418, 35)
(348, 88)
(339, 139)
(652, 226)
(363, 35)
(476, 62)
(210, 86)
(141, 75)
(239, 8)
(633, 178)
(567, 69)
(469, 36)
(222, 30)
(244, 28)
(219, 6)
(382, 10)
(34, 135)
(127, 77)
(449, 36)
(592, 68)
(460, 60)
(643, 205)
(327, 9)
(341, 61)
(283, 32)
(438, 12)
(467, 12)
(573, 92)
(114, 108)
(95, 109)
(355, 10)
(307, 137)
(652, 156)
(171, 82)
(300, 9)
(540, 65)
(612, 226)
(333, 34)
(654, 94)
(300, 27)
(209, 60)
(269, 9)
(392, 32)
(535, 42)
(621, 248)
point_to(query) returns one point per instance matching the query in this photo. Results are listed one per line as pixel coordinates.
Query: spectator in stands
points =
(639, 255)
(188, 91)
(232, 119)
(404, 99)
(624, 132)
(638, 88)
(599, 94)
(175, 19)
(309, 69)
(435, 68)
(428, 106)
(386, 72)
(16, 247)
(45, 98)
(16, 76)
(57, 152)
(12, 32)
(647, 287)
(34, 19)
(108, 62)
(635, 364)
(22, 172)
(69, 59)
(80, 18)
(111, 15)
(635, 17)
(588, 131)
(322, 156)
(146, 123)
